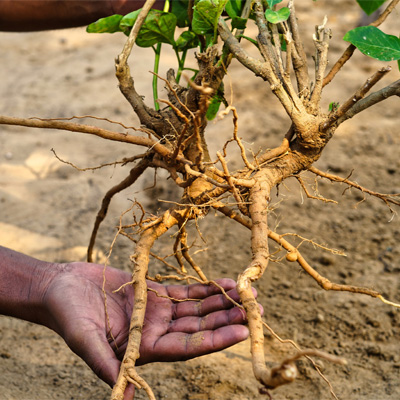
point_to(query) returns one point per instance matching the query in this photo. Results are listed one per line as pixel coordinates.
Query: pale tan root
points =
(286, 373)
(140, 262)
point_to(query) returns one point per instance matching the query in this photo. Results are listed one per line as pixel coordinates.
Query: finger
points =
(199, 290)
(207, 305)
(100, 357)
(182, 346)
(211, 321)
(95, 350)
(129, 393)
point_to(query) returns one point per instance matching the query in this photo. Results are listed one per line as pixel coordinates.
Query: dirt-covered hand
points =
(173, 330)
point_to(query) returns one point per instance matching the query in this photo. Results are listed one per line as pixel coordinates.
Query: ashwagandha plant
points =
(175, 140)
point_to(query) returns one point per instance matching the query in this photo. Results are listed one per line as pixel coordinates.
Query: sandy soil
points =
(47, 210)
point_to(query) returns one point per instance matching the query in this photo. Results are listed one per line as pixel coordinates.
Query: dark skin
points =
(69, 299)
(37, 15)
(170, 327)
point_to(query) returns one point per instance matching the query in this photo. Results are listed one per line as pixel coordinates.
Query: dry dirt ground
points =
(47, 210)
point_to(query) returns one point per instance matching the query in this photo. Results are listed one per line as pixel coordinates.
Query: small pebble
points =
(320, 317)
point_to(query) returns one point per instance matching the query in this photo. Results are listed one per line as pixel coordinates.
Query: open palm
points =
(172, 331)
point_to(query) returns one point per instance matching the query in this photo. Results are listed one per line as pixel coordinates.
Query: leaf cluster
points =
(160, 26)
(200, 30)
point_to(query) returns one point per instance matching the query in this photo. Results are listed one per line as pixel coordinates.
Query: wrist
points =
(24, 282)
(44, 275)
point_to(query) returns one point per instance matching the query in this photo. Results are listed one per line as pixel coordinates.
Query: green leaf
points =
(180, 9)
(105, 25)
(374, 43)
(128, 21)
(159, 27)
(215, 103)
(369, 6)
(162, 25)
(283, 42)
(213, 108)
(277, 16)
(398, 61)
(251, 40)
(234, 8)
(333, 106)
(206, 14)
(239, 23)
(272, 3)
(210, 39)
(187, 40)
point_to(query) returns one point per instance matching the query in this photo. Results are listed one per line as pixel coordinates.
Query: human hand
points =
(172, 330)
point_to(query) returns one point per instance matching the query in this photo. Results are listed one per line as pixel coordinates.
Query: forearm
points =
(23, 284)
(35, 15)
